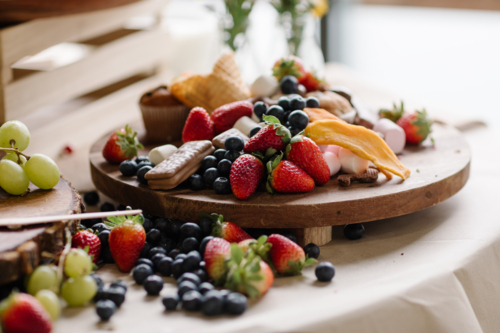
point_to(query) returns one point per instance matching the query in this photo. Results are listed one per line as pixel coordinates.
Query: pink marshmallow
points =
(322, 148)
(333, 149)
(333, 162)
(351, 163)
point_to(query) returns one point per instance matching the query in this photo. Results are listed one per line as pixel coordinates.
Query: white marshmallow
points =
(394, 135)
(351, 163)
(264, 85)
(245, 125)
(255, 118)
(333, 149)
(333, 162)
(323, 148)
(161, 153)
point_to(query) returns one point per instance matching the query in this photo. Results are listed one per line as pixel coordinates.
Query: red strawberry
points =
(246, 174)
(306, 154)
(216, 252)
(121, 146)
(83, 239)
(287, 177)
(227, 230)
(198, 126)
(23, 313)
(287, 256)
(126, 240)
(311, 82)
(274, 135)
(290, 65)
(225, 116)
(416, 126)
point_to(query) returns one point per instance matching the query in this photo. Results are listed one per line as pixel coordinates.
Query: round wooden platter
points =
(21, 249)
(437, 173)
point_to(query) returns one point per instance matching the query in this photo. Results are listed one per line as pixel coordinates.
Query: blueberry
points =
(255, 130)
(116, 294)
(140, 159)
(153, 285)
(177, 268)
(222, 186)
(190, 229)
(203, 245)
(141, 173)
(208, 162)
(210, 175)
(260, 108)
(144, 261)
(165, 266)
(104, 237)
(170, 302)
(121, 207)
(191, 301)
(119, 284)
(91, 198)
(294, 131)
(298, 119)
(106, 255)
(325, 271)
(180, 256)
(166, 243)
(100, 227)
(284, 102)
(354, 231)
(276, 111)
(174, 228)
(219, 154)
(153, 236)
(196, 182)
(202, 264)
(145, 250)
(147, 225)
(225, 293)
(156, 259)
(105, 309)
(191, 262)
(190, 244)
(100, 294)
(285, 118)
(231, 155)
(206, 287)
(161, 224)
(98, 280)
(312, 102)
(234, 143)
(107, 207)
(289, 85)
(191, 277)
(312, 250)
(141, 272)
(297, 103)
(172, 254)
(224, 167)
(201, 273)
(212, 303)
(145, 163)
(128, 168)
(236, 304)
(205, 226)
(89, 223)
(184, 287)
(290, 236)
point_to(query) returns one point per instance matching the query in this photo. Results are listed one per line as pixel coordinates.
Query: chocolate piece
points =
(369, 176)
(219, 140)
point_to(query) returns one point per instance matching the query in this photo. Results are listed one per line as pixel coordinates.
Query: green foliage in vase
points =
(238, 10)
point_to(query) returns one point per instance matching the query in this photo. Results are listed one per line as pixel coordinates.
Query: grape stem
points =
(15, 150)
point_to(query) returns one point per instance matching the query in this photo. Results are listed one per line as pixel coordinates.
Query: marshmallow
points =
(394, 135)
(322, 148)
(265, 85)
(255, 118)
(245, 125)
(161, 153)
(333, 149)
(333, 162)
(351, 163)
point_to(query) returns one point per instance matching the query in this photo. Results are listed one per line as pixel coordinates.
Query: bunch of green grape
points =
(18, 169)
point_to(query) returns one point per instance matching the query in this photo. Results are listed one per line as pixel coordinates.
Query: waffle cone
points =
(223, 90)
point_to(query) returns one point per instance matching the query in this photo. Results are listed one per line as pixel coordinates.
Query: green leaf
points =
(236, 253)
(255, 277)
(271, 119)
(112, 225)
(251, 291)
(262, 240)
(114, 219)
(309, 261)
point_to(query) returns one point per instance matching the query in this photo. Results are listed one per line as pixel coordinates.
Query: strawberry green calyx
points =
(128, 142)
(295, 268)
(281, 130)
(271, 165)
(295, 139)
(423, 123)
(243, 269)
(217, 223)
(113, 221)
(393, 114)
(286, 67)
(261, 248)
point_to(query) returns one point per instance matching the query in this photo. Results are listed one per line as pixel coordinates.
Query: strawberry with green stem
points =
(306, 154)
(246, 174)
(417, 126)
(22, 312)
(216, 253)
(287, 177)
(273, 135)
(87, 240)
(290, 65)
(226, 230)
(393, 114)
(122, 145)
(287, 256)
(260, 247)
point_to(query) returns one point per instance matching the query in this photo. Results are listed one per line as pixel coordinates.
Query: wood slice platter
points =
(21, 249)
(437, 173)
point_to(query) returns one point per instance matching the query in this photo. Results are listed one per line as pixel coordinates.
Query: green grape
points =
(17, 131)
(50, 302)
(14, 158)
(42, 171)
(13, 179)
(43, 277)
(77, 263)
(78, 291)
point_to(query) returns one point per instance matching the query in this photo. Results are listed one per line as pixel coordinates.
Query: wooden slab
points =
(21, 249)
(437, 174)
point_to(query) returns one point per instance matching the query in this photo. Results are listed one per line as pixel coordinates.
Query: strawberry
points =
(198, 126)
(246, 174)
(287, 177)
(287, 256)
(122, 145)
(126, 240)
(216, 252)
(225, 116)
(23, 313)
(248, 273)
(227, 230)
(311, 82)
(306, 154)
(393, 114)
(290, 65)
(416, 126)
(260, 247)
(85, 239)
(274, 135)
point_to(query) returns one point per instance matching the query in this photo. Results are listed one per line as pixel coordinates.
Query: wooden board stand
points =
(437, 173)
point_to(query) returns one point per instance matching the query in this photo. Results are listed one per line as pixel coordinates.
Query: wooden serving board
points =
(437, 173)
(21, 249)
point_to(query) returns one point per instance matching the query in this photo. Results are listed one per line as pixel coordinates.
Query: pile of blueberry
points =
(289, 112)
(137, 167)
(215, 168)
(109, 298)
